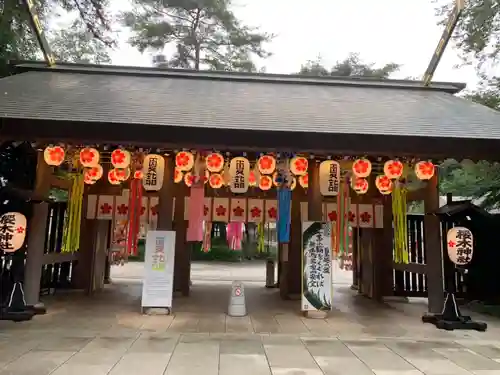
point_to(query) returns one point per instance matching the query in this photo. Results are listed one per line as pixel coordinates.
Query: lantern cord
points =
(71, 236)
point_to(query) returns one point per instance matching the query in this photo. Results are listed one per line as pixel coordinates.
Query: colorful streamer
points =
(134, 216)
(207, 237)
(284, 214)
(234, 235)
(399, 214)
(71, 235)
(261, 246)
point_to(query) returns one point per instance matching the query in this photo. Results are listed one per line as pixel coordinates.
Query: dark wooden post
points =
(182, 266)
(295, 249)
(433, 251)
(314, 197)
(36, 236)
(165, 195)
(386, 275)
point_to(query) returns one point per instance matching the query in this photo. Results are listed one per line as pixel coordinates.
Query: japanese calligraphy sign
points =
(153, 169)
(460, 243)
(239, 170)
(12, 231)
(329, 178)
(316, 267)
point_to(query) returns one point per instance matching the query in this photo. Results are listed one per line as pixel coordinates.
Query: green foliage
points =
(352, 66)
(205, 33)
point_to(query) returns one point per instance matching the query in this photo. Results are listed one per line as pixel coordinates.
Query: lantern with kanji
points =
(424, 170)
(153, 169)
(239, 169)
(266, 182)
(214, 162)
(184, 161)
(362, 168)
(304, 181)
(267, 164)
(393, 169)
(383, 184)
(12, 231)
(215, 181)
(113, 178)
(120, 158)
(359, 185)
(329, 178)
(299, 165)
(89, 157)
(460, 245)
(54, 155)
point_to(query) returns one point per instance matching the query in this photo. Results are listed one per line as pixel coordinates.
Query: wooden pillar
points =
(295, 248)
(36, 235)
(182, 265)
(386, 272)
(314, 198)
(433, 251)
(166, 195)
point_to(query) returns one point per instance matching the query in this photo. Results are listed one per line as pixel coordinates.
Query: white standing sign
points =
(158, 282)
(329, 178)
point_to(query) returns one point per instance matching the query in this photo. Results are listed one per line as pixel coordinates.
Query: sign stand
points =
(451, 318)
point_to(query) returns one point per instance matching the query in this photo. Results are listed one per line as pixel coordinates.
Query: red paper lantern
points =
(359, 185)
(122, 174)
(362, 168)
(54, 155)
(265, 183)
(216, 181)
(188, 179)
(178, 175)
(120, 158)
(113, 178)
(267, 164)
(424, 170)
(89, 157)
(393, 169)
(304, 181)
(383, 184)
(214, 162)
(184, 161)
(299, 165)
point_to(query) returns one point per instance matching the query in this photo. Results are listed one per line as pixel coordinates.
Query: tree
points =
(205, 34)
(352, 66)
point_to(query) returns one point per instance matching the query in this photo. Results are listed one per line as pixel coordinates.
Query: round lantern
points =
(122, 174)
(87, 178)
(214, 162)
(120, 158)
(359, 185)
(113, 178)
(138, 175)
(54, 155)
(252, 180)
(293, 184)
(383, 184)
(362, 168)
(178, 176)
(424, 170)
(89, 157)
(386, 192)
(207, 176)
(267, 164)
(184, 160)
(393, 169)
(299, 165)
(95, 173)
(266, 183)
(14, 227)
(275, 178)
(188, 179)
(304, 181)
(216, 181)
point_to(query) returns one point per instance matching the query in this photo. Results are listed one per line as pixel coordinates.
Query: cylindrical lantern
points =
(267, 164)
(188, 179)
(178, 175)
(299, 165)
(12, 231)
(122, 174)
(89, 157)
(120, 158)
(329, 178)
(304, 181)
(113, 178)
(215, 180)
(362, 168)
(266, 183)
(138, 175)
(383, 184)
(95, 173)
(424, 170)
(215, 162)
(153, 169)
(460, 244)
(54, 155)
(239, 170)
(359, 185)
(393, 169)
(184, 160)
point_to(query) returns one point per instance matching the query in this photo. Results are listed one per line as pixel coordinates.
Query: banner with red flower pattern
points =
(238, 210)
(270, 210)
(154, 203)
(255, 211)
(220, 210)
(105, 207)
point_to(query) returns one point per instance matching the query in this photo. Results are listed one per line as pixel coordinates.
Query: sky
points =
(381, 31)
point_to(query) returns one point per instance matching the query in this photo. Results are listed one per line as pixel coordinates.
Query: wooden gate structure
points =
(237, 114)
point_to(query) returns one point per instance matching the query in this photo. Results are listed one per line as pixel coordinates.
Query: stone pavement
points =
(106, 334)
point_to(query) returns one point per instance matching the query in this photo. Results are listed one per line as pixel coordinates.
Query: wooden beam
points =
(60, 183)
(410, 267)
(55, 258)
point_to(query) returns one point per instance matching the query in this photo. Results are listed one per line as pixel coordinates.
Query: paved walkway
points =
(106, 334)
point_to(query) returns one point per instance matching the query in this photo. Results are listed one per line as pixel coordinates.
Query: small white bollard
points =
(237, 305)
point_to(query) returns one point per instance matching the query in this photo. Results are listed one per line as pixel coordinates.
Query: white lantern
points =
(12, 231)
(89, 157)
(214, 162)
(393, 169)
(299, 165)
(362, 168)
(424, 170)
(184, 160)
(460, 244)
(153, 170)
(267, 164)
(239, 170)
(120, 158)
(329, 178)
(54, 155)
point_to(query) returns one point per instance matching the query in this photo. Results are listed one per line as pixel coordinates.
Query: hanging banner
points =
(316, 267)
(239, 171)
(12, 231)
(284, 214)
(153, 170)
(158, 281)
(238, 210)
(255, 210)
(460, 245)
(329, 178)
(196, 213)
